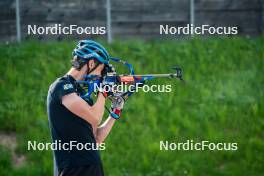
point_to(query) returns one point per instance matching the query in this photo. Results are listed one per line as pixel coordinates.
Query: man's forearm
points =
(104, 130)
(98, 108)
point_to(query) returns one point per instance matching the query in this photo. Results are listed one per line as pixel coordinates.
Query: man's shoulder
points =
(61, 82)
(61, 86)
(56, 83)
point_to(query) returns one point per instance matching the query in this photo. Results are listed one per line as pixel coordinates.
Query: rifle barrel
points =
(172, 75)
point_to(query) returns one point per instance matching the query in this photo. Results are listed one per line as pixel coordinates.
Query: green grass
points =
(221, 101)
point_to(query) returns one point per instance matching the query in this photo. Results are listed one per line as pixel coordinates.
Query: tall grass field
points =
(221, 101)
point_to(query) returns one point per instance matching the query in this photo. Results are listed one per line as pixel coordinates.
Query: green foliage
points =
(5, 161)
(221, 101)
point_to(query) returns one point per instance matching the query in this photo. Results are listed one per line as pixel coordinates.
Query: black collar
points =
(71, 79)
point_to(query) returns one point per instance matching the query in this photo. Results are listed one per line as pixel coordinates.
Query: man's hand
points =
(116, 106)
(117, 102)
(105, 89)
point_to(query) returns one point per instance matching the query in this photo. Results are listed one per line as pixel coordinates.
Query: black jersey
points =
(67, 127)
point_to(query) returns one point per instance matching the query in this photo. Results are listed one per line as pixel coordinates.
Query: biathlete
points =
(71, 118)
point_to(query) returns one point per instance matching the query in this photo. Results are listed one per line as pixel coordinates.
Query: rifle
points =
(110, 77)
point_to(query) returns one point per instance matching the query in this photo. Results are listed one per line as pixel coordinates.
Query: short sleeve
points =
(63, 88)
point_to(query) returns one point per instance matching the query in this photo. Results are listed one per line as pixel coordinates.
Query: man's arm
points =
(98, 107)
(103, 131)
(92, 114)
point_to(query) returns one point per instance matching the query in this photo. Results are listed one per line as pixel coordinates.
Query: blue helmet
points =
(87, 50)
